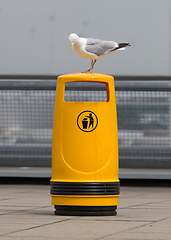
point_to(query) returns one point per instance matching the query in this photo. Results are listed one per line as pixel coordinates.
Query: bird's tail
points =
(121, 46)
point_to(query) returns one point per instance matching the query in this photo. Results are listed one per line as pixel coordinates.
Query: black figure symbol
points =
(85, 121)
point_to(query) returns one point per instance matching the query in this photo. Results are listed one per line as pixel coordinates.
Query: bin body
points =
(85, 151)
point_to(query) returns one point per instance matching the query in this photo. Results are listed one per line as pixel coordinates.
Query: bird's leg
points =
(89, 70)
(92, 65)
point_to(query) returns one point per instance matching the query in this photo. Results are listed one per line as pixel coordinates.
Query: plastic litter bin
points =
(85, 148)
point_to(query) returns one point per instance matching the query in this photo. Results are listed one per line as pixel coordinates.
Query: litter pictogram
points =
(87, 121)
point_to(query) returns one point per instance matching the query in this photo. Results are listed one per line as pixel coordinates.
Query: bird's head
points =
(73, 38)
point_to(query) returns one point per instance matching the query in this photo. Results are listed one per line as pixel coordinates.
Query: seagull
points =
(94, 48)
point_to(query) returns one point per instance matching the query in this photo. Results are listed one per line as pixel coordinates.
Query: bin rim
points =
(85, 77)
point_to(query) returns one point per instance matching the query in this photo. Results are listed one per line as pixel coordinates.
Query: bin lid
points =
(87, 77)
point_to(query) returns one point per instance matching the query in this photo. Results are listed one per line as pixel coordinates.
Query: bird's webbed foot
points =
(87, 71)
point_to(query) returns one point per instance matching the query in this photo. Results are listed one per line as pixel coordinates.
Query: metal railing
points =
(144, 121)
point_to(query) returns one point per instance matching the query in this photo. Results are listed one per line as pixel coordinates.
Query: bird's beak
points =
(71, 47)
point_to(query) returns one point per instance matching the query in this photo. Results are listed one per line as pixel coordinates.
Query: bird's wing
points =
(100, 47)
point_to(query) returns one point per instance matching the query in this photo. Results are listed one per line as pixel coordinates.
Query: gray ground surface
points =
(26, 213)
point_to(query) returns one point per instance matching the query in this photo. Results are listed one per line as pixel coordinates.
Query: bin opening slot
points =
(86, 92)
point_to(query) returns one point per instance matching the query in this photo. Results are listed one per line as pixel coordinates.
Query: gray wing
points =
(100, 47)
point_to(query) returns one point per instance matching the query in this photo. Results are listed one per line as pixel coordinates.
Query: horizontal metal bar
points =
(19, 150)
(46, 149)
(28, 85)
(145, 151)
(162, 174)
(143, 86)
(116, 77)
(26, 172)
(49, 84)
(25, 161)
(124, 173)
(144, 162)
(45, 161)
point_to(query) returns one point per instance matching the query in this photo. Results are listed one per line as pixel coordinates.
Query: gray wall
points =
(34, 35)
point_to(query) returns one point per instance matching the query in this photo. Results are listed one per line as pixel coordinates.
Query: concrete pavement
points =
(26, 213)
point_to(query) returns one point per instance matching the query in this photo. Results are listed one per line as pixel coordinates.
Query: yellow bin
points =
(85, 146)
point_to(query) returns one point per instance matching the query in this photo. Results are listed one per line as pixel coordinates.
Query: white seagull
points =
(94, 48)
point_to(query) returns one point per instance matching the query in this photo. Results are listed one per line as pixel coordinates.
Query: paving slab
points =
(26, 213)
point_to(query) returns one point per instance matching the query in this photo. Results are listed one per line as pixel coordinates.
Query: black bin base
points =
(85, 210)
